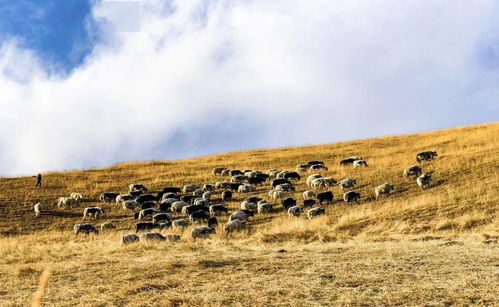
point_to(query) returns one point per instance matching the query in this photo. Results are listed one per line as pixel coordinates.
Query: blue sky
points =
(59, 32)
(92, 83)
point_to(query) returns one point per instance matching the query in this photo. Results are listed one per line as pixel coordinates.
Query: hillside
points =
(372, 252)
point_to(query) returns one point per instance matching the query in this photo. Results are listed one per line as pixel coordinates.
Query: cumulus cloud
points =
(206, 76)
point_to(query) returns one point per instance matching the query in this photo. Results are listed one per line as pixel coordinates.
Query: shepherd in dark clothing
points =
(38, 180)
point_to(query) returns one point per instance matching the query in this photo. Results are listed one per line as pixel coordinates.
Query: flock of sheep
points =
(194, 202)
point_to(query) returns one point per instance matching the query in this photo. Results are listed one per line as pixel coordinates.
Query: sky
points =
(92, 83)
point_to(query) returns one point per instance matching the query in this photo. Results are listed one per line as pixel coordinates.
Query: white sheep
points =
(347, 183)
(38, 209)
(129, 238)
(309, 194)
(67, 202)
(314, 212)
(383, 189)
(264, 208)
(234, 225)
(76, 196)
(295, 211)
(129, 205)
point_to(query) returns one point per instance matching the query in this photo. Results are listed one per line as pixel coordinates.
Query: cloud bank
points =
(210, 76)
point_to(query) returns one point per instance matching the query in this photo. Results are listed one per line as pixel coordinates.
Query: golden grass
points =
(432, 247)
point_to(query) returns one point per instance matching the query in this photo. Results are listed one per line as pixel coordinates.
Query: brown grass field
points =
(436, 247)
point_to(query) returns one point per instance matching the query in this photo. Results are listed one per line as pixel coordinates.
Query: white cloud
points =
(211, 76)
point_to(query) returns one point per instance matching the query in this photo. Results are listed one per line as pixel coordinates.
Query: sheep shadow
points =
(62, 214)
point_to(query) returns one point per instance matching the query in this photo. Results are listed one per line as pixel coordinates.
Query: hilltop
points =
(371, 252)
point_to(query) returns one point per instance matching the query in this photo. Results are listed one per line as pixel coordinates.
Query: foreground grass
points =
(99, 272)
(432, 247)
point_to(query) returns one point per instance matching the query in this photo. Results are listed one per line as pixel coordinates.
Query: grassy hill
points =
(437, 246)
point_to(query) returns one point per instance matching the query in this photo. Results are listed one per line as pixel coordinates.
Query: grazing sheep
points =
(264, 207)
(146, 226)
(147, 205)
(277, 194)
(178, 206)
(309, 194)
(235, 172)
(259, 180)
(284, 187)
(359, 163)
(426, 156)
(175, 190)
(169, 195)
(288, 203)
(314, 212)
(253, 199)
(147, 212)
(204, 232)
(351, 196)
(166, 204)
(172, 237)
(218, 170)
(242, 215)
(129, 205)
(38, 209)
(66, 202)
(225, 172)
(76, 196)
(146, 197)
(327, 197)
(188, 188)
(273, 172)
(235, 186)
(137, 187)
(347, 183)
(235, 225)
(92, 211)
(123, 197)
(152, 236)
(108, 197)
(383, 189)
(200, 202)
(193, 208)
(107, 226)
(424, 181)
(226, 195)
(198, 193)
(206, 195)
(317, 167)
(85, 228)
(412, 171)
(349, 161)
(302, 168)
(238, 179)
(314, 162)
(217, 210)
(199, 216)
(246, 188)
(322, 183)
(311, 178)
(309, 203)
(209, 187)
(180, 223)
(278, 181)
(246, 205)
(161, 217)
(295, 211)
(129, 238)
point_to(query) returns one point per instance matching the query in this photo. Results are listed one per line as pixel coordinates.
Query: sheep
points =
(38, 209)
(295, 211)
(259, 180)
(273, 173)
(314, 212)
(152, 236)
(347, 183)
(204, 232)
(351, 196)
(146, 226)
(175, 190)
(314, 162)
(226, 195)
(188, 188)
(178, 205)
(169, 195)
(325, 196)
(85, 228)
(317, 167)
(292, 175)
(198, 216)
(217, 210)
(161, 217)
(107, 226)
(147, 197)
(147, 212)
(359, 163)
(246, 188)
(222, 184)
(426, 156)
(123, 197)
(311, 178)
(281, 174)
(322, 183)
(264, 207)
(302, 168)
(424, 181)
(288, 203)
(235, 225)
(276, 182)
(246, 205)
(180, 223)
(383, 189)
(200, 202)
(198, 193)
(309, 203)
(108, 197)
(76, 196)
(129, 205)
(242, 215)
(66, 202)
(147, 205)
(193, 208)
(225, 172)
(277, 194)
(412, 170)
(166, 204)
(92, 211)
(253, 199)
(235, 172)
(172, 237)
(129, 238)
(349, 161)
(238, 179)
(218, 170)
(209, 187)
(309, 194)
(137, 187)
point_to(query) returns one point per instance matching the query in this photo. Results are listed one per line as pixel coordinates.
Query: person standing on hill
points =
(38, 180)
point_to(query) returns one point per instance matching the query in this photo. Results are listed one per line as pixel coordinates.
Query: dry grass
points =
(433, 247)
